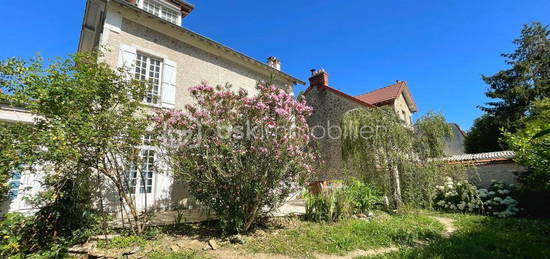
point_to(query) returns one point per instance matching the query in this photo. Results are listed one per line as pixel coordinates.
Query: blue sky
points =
(439, 47)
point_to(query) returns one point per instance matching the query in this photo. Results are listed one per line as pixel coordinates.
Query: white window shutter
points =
(127, 58)
(169, 84)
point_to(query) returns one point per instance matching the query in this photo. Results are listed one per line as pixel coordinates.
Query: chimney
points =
(318, 78)
(274, 63)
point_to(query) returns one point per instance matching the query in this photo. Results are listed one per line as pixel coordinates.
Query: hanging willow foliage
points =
(403, 161)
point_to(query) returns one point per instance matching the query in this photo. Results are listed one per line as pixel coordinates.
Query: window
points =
(142, 175)
(131, 179)
(146, 183)
(14, 183)
(148, 70)
(162, 11)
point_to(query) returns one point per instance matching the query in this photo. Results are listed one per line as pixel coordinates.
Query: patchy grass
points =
(308, 239)
(486, 237)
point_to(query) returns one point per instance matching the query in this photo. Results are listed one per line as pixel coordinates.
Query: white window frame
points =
(156, 99)
(163, 6)
(137, 180)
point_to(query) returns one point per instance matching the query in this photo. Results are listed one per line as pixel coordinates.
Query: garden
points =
(242, 156)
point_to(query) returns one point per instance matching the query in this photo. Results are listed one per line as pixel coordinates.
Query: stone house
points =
(147, 38)
(330, 105)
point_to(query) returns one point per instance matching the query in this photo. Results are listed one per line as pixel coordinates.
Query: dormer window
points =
(163, 10)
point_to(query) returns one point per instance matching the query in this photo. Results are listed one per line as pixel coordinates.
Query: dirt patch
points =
(357, 253)
(450, 227)
(234, 254)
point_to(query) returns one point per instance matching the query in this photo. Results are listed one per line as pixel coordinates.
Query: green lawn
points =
(415, 232)
(308, 239)
(487, 237)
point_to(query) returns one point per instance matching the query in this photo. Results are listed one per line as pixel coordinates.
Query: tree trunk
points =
(396, 186)
(129, 201)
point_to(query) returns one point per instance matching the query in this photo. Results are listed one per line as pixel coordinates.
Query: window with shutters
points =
(162, 10)
(148, 70)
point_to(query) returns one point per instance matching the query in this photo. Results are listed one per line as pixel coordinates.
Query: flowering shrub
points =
(498, 200)
(241, 155)
(460, 196)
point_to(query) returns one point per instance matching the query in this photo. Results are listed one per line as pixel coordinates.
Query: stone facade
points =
(402, 110)
(328, 112)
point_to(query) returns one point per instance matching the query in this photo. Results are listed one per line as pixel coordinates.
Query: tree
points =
(484, 136)
(402, 161)
(89, 121)
(532, 146)
(241, 155)
(527, 80)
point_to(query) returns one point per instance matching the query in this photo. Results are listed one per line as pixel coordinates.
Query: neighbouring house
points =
(147, 38)
(484, 168)
(330, 106)
(454, 145)
(21, 183)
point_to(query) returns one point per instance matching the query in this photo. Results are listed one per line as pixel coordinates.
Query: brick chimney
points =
(318, 78)
(274, 63)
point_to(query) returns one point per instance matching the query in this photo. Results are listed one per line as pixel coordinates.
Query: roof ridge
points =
(378, 89)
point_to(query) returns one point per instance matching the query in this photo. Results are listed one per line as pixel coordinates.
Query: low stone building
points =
(484, 168)
(330, 105)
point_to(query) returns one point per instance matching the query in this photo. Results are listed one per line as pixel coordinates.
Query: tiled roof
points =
(338, 92)
(482, 157)
(387, 93)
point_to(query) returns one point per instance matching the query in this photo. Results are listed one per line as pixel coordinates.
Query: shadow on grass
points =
(487, 237)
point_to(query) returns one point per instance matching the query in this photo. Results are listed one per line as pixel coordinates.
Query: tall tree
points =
(484, 135)
(532, 146)
(526, 81)
(379, 149)
(89, 121)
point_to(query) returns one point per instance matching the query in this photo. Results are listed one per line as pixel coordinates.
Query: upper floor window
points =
(161, 10)
(148, 70)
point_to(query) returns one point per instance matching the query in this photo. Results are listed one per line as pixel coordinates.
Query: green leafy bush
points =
(11, 232)
(458, 196)
(335, 204)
